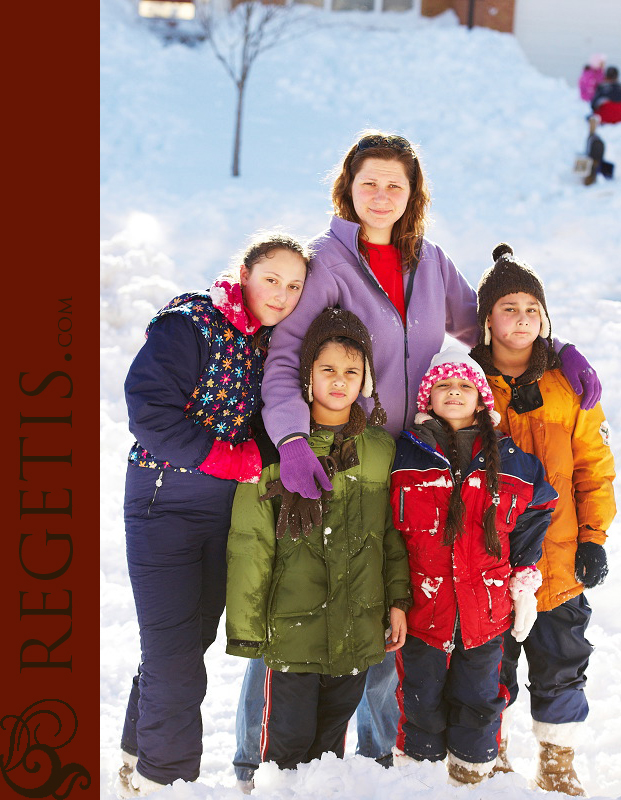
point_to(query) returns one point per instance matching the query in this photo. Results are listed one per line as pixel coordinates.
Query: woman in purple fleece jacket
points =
(374, 261)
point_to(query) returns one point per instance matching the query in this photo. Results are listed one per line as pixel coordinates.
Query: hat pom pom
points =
(495, 417)
(502, 249)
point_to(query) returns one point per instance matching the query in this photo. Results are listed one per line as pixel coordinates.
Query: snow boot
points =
(122, 785)
(245, 787)
(556, 771)
(592, 176)
(400, 759)
(144, 786)
(464, 773)
(502, 759)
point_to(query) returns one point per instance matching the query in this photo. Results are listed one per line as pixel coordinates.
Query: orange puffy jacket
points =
(572, 445)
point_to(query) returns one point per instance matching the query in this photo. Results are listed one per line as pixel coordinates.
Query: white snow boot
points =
(400, 759)
(245, 787)
(122, 786)
(464, 773)
(144, 786)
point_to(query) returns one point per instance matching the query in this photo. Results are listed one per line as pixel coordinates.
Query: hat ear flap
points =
(545, 322)
(367, 386)
(488, 333)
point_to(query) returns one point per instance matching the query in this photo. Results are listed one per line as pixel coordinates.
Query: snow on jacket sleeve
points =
(159, 383)
(461, 303)
(530, 528)
(250, 557)
(593, 475)
(285, 411)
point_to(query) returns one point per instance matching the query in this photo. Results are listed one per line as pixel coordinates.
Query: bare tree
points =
(239, 36)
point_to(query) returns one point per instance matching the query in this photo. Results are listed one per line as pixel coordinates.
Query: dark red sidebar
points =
(49, 595)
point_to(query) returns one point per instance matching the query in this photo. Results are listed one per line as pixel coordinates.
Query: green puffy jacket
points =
(319, 603)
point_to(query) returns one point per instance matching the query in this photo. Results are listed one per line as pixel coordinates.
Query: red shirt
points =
(385, 263)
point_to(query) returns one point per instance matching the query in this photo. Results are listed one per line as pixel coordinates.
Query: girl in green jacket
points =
(317, 606)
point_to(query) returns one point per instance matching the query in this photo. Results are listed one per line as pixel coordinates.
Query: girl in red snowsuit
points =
(473, 509)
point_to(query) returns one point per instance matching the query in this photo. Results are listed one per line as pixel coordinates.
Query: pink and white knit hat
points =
(450, 363)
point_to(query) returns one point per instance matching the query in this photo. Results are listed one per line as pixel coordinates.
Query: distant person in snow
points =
(376, 262)
(592, 75)
(191, 392)
(607, 98)
(473, 510)
(595, 149)
(542, 414)
(315, 599)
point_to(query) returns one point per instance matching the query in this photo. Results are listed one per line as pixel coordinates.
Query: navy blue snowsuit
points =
(192, 388)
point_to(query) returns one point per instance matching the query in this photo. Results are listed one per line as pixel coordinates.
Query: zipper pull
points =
(158, 483)
(513, 505)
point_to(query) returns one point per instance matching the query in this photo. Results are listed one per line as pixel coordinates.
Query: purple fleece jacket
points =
(442, 301)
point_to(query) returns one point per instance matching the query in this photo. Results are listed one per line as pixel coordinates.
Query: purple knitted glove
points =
(300, 468)
(581, 376)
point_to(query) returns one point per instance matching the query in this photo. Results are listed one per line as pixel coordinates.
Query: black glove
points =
(591, 564)
(297, 513)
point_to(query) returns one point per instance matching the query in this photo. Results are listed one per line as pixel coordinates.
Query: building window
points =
(397, 5)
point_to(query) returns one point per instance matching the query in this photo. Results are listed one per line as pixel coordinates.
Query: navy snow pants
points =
(557, 652)
(454, 706)
(306, 714)
(176, 539)
(377, 716)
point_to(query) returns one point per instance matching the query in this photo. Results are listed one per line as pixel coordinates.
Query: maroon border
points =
(49, 734)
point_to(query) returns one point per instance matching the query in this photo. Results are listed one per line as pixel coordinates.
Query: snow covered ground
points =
(497, 139)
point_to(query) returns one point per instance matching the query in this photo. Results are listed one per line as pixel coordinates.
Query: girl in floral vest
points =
(473, 509)
(191, 392)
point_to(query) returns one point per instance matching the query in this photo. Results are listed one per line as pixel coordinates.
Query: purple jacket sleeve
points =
(158, 385)
(461, 304)
(285, 411)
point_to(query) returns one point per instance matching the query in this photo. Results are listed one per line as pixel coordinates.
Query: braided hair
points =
(492, 467)
(456, 508)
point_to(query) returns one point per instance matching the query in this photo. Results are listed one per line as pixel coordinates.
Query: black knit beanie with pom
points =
(508, 276)
(335, 323)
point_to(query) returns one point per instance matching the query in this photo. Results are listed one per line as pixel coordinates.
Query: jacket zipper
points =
(513, 505)
(401, 504)
(158, 483)
(451, 647)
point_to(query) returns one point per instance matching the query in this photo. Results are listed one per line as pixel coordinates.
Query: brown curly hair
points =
(408, 231)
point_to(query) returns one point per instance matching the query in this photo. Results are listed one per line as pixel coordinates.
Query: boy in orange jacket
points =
(542, 413)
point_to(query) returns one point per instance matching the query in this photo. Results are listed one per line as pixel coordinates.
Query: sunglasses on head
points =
(377, 140)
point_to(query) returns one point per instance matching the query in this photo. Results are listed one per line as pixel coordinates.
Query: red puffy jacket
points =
(466, 577)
